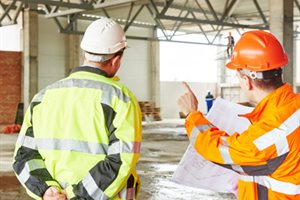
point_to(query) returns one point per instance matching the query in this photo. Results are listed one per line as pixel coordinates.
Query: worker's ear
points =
(247, 82)
(116, 62)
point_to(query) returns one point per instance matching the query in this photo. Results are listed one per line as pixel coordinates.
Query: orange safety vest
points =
(266, 155)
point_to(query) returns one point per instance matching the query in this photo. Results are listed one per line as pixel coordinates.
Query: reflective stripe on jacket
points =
(82, 134)
(266, 155)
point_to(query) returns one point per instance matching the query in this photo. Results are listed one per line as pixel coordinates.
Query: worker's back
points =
(84, 122)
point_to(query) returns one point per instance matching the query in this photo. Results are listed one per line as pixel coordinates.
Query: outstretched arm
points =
(240, 153)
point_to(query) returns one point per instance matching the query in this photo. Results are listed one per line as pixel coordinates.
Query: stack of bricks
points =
(149, 111)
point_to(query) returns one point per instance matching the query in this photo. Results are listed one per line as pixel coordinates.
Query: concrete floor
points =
(163, 146)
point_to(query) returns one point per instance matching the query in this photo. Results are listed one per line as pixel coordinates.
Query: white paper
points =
(225, 115)
(193, 170)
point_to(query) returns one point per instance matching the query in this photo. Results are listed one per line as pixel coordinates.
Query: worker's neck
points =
(259, 95)
(95, 64)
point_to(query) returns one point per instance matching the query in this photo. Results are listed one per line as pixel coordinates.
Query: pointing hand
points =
(188, 102)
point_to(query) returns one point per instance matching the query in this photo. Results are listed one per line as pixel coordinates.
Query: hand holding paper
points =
(193, 170)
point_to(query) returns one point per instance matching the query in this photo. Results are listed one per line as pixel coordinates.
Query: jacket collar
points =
(273, 100)
(94, 70)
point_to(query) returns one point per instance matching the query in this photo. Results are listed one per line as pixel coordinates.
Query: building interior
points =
(170, 41)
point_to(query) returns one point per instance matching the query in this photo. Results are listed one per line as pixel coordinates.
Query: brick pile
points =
(149, 111)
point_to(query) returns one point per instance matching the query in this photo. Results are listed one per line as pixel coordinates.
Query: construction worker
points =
(267, 154)
(230, 45)
(81, 136)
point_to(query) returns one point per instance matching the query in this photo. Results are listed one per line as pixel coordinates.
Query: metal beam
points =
(200, 27)
(165, 17)
(260, 12)
(158, 22)
(204, 13)
(166, 7)
(60, 3)
(297, 4)
(211, 9)
(6, 11)
(95, 7)
(150, 39)
(133, 18)
(175, 29)
(228, 11)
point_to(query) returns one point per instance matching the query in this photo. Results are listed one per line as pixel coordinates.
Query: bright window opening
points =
(10, 38)
(188, 62)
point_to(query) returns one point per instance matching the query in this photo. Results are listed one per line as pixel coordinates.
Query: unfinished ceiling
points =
(206, 18)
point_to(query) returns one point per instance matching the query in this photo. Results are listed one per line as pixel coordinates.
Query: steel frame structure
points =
(210, 23)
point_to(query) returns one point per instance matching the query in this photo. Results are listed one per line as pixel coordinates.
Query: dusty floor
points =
(163, 145)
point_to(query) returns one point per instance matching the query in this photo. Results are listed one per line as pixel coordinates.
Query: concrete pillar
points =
(72, 53)
(281, 25)
(30, 54)
(155, 73)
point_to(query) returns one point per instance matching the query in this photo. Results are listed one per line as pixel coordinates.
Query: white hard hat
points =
(103, 36)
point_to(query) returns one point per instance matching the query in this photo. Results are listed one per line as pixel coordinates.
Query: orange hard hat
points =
(258, 51)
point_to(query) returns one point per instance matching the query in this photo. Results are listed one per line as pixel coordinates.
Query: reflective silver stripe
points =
(92, 188)
(238, 169)
(194, 135)
(282, 147)
(223, 139)
(122, 147)
(62, 144)
(278, 135)
(273, 184)
(29, 166)
(197, 129)
(109, 91)
(39, 96)
(224, 150)
(204, 127)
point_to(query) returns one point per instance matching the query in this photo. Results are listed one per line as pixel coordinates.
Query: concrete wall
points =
(135, 69)
(51, 53)
(171, 91)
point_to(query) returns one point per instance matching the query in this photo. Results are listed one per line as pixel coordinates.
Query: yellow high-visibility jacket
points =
(266, 155)
(81, 134)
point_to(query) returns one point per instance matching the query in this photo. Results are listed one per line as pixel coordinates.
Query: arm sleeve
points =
(110, 176)
(236, 152)
(28, 164)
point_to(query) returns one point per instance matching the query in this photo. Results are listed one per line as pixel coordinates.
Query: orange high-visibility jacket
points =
(266, 155)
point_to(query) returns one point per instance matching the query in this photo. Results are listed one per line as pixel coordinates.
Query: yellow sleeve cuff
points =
(69, 191)
(53, 183)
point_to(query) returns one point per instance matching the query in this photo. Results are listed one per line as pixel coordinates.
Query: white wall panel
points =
(135, 69)
(51, 55)
(171, 91)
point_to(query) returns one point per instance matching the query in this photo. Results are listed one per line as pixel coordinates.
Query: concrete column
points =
(155, 73)
(281, 25)
(30, 54)
(72, 53)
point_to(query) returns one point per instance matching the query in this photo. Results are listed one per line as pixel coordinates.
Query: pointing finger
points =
(187, 87)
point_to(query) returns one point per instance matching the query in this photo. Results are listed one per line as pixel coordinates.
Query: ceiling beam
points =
(297, 4)
(97, 6)
(60, 3)
(195, 21)
(260, 12)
